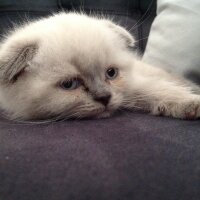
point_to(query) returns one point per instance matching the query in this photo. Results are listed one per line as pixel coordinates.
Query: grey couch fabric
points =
(131, 156)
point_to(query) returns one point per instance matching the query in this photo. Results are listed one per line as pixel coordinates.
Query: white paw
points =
(184, 110)
(192, 111)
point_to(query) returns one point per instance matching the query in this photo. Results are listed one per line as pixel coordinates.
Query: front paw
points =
(189, 110)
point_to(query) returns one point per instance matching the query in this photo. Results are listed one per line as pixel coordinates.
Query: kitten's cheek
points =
(76, 95)
(119, 82)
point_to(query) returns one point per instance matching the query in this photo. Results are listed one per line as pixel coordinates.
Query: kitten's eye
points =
(111, 73)
(70, 84)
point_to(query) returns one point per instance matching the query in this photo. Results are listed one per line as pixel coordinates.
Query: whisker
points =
(142, 39)
(143, 17)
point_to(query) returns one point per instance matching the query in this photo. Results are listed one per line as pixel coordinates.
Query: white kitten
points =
(75, 66)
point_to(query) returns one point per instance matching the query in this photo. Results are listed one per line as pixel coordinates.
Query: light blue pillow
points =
(174, 41)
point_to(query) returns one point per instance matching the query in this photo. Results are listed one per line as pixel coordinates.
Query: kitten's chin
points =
(99, 113)
(107, 112)
(104, 114)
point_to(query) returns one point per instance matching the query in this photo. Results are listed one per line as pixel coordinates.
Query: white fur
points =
(69, 45)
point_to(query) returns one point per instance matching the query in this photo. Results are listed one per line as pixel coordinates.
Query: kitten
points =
(75, 66)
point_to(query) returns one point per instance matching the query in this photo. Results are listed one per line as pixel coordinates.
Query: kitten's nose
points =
(103, 99)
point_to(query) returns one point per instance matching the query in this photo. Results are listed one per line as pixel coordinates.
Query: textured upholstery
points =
(125, 12)
(131, 156)
(128, 157)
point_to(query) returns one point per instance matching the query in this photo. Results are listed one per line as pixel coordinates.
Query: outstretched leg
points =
(162, 93)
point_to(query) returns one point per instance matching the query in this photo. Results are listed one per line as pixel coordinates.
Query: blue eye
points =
(111, 73)
(70, 84)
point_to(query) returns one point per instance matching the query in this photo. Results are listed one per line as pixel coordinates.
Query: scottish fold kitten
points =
(75, 66)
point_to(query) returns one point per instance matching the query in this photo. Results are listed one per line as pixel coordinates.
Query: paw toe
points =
(192, 113)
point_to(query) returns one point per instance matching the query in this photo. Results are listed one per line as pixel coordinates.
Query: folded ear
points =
(14, 58)
(128, 38)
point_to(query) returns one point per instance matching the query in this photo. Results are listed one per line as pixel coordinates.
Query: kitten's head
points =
(68, 65)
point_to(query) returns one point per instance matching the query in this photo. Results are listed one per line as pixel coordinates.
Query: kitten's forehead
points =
(88, 60)
(83, 40)
(87, 49)
(89, 66)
